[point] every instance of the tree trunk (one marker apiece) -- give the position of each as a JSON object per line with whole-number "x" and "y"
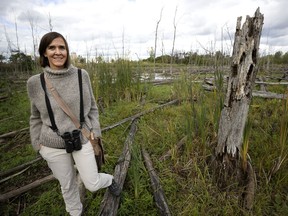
{"x": 227, "y": 167}
{"x": 158, "y": 192}
{"x": 110, "y": 203}
{"x": 241, "y": 80}
{"x": 25, "y": 188}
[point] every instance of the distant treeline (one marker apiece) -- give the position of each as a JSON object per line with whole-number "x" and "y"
{"x": 24, "y": 63}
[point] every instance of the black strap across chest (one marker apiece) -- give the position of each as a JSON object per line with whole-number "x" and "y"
{"x": 48, "y": 104}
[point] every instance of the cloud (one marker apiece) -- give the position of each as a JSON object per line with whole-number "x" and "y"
{"x": 108, "y": 25}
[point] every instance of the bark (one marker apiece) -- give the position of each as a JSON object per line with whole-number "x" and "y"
{"x": 250, "y": 187}
{"x": 262, "y": 94}
{"x": 131, "y": 118}
{"x": 271, "y": 83}
{"x": 268, "y": 95}
{"x": 159, "y": 194}
{"x": 14, "y": 175}
{"x": 28, "y": 187}
{"x": 13, "y": 133}
{"x": 227, "y": 167}
{"x": 241, "y": 80}
{"x": 178, "y": 146}
{"x": 110, "y": 203}
{"x": 20, "y": 167}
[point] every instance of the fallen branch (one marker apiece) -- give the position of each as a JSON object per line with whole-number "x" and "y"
{"x": 25, "y": 188}
{"x": 268, "y": 95}
{"x": 110, "y": 203}
{"x": 13, "y": 133}
{"x": 16, "y": 174}
{"x": 178, "y": 146}
{"x": 20, "y": 167}
{"x": 262, "y": 94}
{"x": 159, "y": 195}
{"x": 131, "y": 118}
{"x": 271, "y": 83}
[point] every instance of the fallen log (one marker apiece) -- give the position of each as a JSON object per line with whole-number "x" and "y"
{"x": 13, "y": 133}
{"x": 16, "y": 174}
{"x": 109, "y": 205}
{"x": 131, "y": 118}
{"x": 268, "y": 95}
{"x": 262, "y": 94}
{"x": 178, "y": 146}
{"x": 271, "y": 83}
{"x": 158, "y": 192}
{"x": 20, "y": 167}
{"x": 25, "y": 188}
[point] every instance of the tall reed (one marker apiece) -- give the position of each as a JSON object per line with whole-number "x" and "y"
{"x": 245, "y": 146}
{"x": 116, "y": 81}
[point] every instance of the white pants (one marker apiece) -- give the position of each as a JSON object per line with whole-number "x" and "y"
{"x": 62, "y": 165}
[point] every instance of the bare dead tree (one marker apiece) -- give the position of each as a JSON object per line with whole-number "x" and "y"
{"x": 123, "y": 43}
{"x": 16, "y": 32}
{"x": 174, "y": 38}
{"x": 244, "y": 68}
{"x": 33, "y": 26}
{"x": 162, "y": 53}
{"x": 156, "y": 37}
{"x": 50, "y": 23}
{"x": 9, "y": 43}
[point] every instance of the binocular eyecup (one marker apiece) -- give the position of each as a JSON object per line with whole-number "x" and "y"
{"x": 72, "y": 141}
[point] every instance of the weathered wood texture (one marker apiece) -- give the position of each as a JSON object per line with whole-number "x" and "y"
{"x": 158, "y": 192}
{"x": 13, "y": 133}
{"x": 241, "y": 80}
{"x": 138, "y": 115}
{"x": 175, "y": 148}
{"x": 20, "y": 167}
{"x": 110, "y": 203}
{"x": 26, "y": 188}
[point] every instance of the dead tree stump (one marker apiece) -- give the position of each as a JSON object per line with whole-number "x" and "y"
{"x": 238, "y": 97}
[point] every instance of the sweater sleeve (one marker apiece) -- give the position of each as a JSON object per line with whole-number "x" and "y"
{"x": 35, "y": 127}
{"x": 35, "y": 119}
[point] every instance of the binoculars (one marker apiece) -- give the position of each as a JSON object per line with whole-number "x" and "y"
{"x": 72, "y": 141}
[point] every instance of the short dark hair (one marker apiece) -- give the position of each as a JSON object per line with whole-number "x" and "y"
{"x": 44, "y": 43}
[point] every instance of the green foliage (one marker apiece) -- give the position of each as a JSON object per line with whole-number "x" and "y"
{"x": 277, "y": 58}
{"x": 49, "y": 203}
{"x": 117, "y": 81}
{"x": 14, "y": 112}
{"x": 18, "y": 62}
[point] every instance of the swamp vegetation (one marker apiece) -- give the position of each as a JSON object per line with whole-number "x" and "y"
{"x": 190, "y": 189}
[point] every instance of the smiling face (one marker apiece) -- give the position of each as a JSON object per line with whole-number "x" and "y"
{"x": 56, "y": 53}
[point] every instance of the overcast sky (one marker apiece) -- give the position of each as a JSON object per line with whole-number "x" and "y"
{"x": 107, "y": 27}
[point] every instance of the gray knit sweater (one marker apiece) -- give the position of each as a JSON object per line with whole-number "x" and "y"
{"x": 66, "y": 83}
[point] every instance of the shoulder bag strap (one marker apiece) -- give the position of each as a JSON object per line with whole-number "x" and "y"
{"x": 48, "y": 105}
{"x": 82, "y": 119}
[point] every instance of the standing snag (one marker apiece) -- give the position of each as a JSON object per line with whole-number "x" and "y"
{"x": 241, "y": 80}
{"x": 228, "y": 171}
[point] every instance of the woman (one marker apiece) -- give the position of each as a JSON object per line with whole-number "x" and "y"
{"x": 55, "y": 60}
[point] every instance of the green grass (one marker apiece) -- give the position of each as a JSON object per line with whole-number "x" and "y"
{"x": 185, "y": 177}
{"x": 14, "y": 112}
